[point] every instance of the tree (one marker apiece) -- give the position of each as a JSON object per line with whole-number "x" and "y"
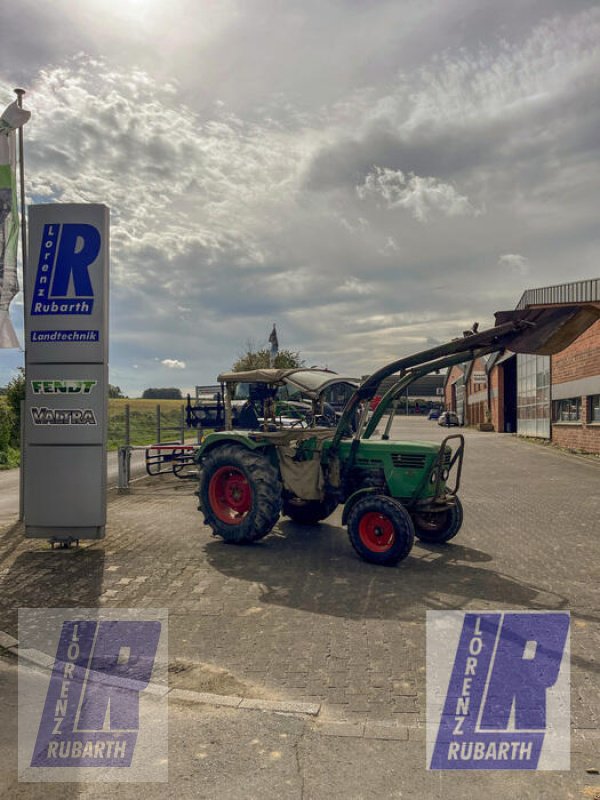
{"x": 170, "y": 393}
{"x": 115, "y": 393}
{"x": 15, "y": 393}
{"x": 6, "y": 426}
{"x": 260, "y": 359}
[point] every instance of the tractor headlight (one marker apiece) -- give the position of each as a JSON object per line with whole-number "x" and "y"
{"x": 445, "y": 474}
{"x": 433, "y": 476}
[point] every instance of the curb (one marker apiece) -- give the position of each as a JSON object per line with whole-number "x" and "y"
{"x": 161, "y": 691}
{"x": 370, "y": 729}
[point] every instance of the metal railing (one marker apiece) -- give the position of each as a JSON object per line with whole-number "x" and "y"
{"x": 174, "y": 455}
{"x": 159, "y": 427}
{"x": 576, "y": 292}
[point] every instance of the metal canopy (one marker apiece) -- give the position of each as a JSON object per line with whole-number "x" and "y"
{"x": 267, "y": 375}
{"x": 311, "y": 382}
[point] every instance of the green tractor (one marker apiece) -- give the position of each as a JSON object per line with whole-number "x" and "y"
{"x": 391, "y": 491}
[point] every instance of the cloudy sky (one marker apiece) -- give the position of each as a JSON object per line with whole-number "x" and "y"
{"x": 371, "y": 176}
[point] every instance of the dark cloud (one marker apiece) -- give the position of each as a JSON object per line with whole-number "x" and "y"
{"x": 441, "y": 153}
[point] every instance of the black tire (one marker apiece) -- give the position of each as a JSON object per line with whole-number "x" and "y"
{"x": 240, "y": 493}
{"x": 380, "y": 530}
{"x": 309, "y": 512}
{"x": 440, "y": 526}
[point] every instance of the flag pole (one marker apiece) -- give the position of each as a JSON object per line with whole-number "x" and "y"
{"x": 20, "y": 93}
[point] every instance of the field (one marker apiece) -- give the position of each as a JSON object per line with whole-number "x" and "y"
{"x": 143, "y": 421}
{"x": 143, "y": 426}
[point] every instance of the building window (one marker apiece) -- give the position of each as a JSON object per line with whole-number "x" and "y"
{"x": 568, "y": 410}
{"x": 594, "y": 408}
{"x": 533, "y": 396}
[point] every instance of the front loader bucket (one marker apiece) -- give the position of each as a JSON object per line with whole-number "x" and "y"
{"x": 550, "y": 328}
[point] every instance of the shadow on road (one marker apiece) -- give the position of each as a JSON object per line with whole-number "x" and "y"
{"x": 51, "y": 579}
{"x": 315, "y": 569}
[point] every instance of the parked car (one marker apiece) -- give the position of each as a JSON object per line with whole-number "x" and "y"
{"x": 434, "y": 413}
{"x": 448, "y": 418}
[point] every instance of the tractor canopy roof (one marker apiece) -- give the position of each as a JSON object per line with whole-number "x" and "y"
{"x": 311, "y": 382}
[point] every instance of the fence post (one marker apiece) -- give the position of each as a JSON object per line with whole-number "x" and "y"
{"x": 158, "y": 424}
{"x": 182, "y": 424}
{"x": 22, "y": 464}
{"x": 124, "y": 469}
{"x": 127, "y": 426}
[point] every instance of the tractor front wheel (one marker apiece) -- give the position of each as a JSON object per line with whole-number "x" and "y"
{"x": 380, "y": 530}
{"x": 240, "y": 493}
{"x": 440, "y": 526}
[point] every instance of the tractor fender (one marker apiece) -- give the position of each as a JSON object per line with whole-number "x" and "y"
{"x": 215, "y": 440}
{"x": 354, "y": 498}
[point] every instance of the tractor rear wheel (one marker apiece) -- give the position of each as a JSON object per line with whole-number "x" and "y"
{"x": 309, "y": 512}
{"x": 240, "y": 493}
{"x": 380, "y": 530}
{"x": 440, "y": 526}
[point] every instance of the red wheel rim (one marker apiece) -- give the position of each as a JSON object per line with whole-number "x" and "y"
{"x": 376, "y": 531}
{"x": 230, "y": 495}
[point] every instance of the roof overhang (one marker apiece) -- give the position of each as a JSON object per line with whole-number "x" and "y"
{"x": 548, "y": 329}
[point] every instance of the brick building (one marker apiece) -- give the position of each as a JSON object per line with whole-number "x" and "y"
{"x": 454, "y": 390}
{"x": 476, "y": 392}
{"x": 549, "y": 397}
{"x": 576, "y": 393}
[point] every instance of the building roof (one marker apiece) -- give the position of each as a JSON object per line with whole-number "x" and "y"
{"x": 587, "y": 291}
{"x": 426, "y": 386}
{"x": 460, "y": 367}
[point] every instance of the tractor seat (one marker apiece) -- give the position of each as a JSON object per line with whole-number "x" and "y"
{"x": 248, "y": 418}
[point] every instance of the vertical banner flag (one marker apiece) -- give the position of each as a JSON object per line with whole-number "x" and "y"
{"x": 12, "y": 118}
{"x": 274, "y": 346}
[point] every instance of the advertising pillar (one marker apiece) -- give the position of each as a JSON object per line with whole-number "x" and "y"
{"x": 66, "y": 368}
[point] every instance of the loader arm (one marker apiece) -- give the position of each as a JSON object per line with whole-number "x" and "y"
{"x": 540, "y": 330}
{"x": 413, "y": 374}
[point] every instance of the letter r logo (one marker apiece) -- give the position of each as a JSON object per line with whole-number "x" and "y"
{"x": 527, "y": 663}
{"x": 115, "y": 683}
{"x": 78, "y": 249}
